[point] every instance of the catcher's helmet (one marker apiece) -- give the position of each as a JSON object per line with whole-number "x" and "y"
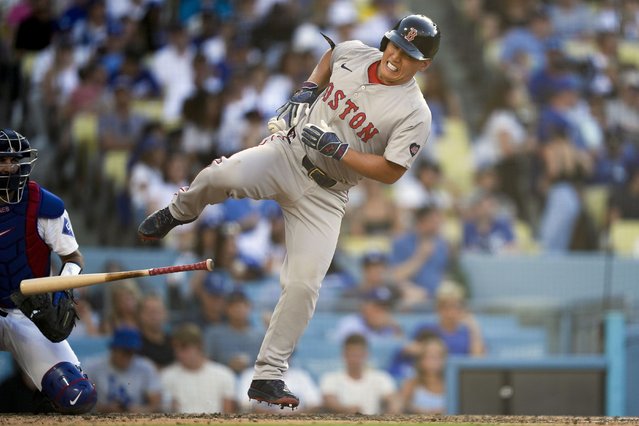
{"x": 417, "y": 35}
{"x": 13, "y": 180}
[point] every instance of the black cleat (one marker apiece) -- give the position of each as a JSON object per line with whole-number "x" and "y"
{"x": 158, "y": 224}
{"x": 273, "y": 392}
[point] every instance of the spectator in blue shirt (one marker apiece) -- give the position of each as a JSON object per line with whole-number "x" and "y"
{"x": 236, "y": 342}
{"x": 143, "y": 84}
{"x": 455, "y": 324}
{"x": 524, "y": 47}
{"x": 375, "y": 318}
{"x": 555, "y": 115}
{"x": 421, "y": 255}
{"x": 485, "y": 231}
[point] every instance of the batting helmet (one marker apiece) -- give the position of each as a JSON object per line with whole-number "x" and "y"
{"x": 13, "y": 179}
{"x": 417, "y": 35}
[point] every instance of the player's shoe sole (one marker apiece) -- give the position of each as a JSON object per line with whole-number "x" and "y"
{"x": 273, "y": 392}
{"x": 158, "y": 224}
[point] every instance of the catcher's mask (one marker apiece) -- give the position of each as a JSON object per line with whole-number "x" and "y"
{"x": 16, "y": 161}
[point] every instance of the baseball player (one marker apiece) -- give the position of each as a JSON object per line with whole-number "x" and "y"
{"x": 34, "y": 222}
{"x": 360, "y": 114}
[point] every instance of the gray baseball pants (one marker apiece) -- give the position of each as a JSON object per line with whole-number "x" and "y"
{"x": 312, "y": 218}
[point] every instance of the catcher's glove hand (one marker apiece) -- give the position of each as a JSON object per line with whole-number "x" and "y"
{"x": 322, "y": 139}
{"x": 53, "y": 313}
{"x": 289, "y": 114}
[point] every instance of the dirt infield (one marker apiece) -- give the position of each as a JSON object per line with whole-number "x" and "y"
{"x": 307, "y": 419}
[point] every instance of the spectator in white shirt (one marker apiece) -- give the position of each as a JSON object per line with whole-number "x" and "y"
{"x": 173, "y": 67}
{"x": 359, "y": 389}
{"x": 195, "y": 384}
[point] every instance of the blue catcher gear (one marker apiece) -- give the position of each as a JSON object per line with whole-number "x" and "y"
{"x": 69, "y": 389}
{"x": 14, "y": 172}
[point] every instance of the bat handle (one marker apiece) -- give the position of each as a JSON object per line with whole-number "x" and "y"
{"x": 205, "y": 265}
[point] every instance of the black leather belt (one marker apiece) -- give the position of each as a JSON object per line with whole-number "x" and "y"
{"x": 317, "y": 174}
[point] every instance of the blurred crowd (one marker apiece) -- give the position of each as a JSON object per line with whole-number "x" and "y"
{"x": 534, "y": 148}
{"x": 205, "y": 365}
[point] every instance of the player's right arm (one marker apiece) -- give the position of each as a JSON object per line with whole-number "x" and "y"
{"x": 373, "y": 166}
{"x": 322, "y": 72}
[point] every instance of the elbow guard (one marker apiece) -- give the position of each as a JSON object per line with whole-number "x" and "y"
{"x": 328, "y": 40}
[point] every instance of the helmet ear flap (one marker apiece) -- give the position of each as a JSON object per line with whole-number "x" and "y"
{"x": 383, "y": 44}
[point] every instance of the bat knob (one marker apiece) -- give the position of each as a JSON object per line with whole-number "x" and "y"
{"x": 209, "y": 264}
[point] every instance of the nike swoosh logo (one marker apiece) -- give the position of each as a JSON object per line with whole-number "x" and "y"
{"x": 6, "y": 231}
{"x": 346, "y": 68}
{"x": 73, "y": 401}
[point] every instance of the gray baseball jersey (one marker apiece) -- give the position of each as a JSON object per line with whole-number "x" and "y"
{"x": 393, "y": 121}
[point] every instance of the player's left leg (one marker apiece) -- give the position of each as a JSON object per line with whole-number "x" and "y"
{"x": 312, "y": 228}
{"x": 259, "y": 172}
{"x": 52, "y": 367}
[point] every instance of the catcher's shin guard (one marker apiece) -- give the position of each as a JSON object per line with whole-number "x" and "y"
{"x": 69, "y": 389}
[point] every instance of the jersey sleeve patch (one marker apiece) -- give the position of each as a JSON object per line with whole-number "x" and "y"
{"x": 66, "y": 228}
{"x": 51, "y": 205}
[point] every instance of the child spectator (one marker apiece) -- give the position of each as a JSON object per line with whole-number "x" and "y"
{"x": 424, "y": 393}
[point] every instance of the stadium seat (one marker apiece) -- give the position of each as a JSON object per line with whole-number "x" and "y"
{"x": 596, "y": 203}
{"x": 453, "y": 151}
{"x": 114, "y": 167}
{"x": 624, "y": 237}
{"x": 453, "y": 230}
{"x": 355, "y": 245}
{"x": 151, "y": 109}
{"x": 628, "y": 52}
{"x": 525, "y": 342}
{"x": 524, "y": 237}
{"x": 84, "y": 132}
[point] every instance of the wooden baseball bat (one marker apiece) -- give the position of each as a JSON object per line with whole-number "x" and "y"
{"x": 58, "y": 283}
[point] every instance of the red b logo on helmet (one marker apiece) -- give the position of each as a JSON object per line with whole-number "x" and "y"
{"x": 411, "y": 34}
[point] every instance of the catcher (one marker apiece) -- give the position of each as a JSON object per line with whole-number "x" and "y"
{"x": 34, "y": 222}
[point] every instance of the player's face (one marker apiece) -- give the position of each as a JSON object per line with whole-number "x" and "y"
{"x": 9, "y": 165}
{"x": 397, "y": 67}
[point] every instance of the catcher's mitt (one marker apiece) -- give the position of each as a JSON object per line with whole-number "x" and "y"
{"x": 53, "y": 313}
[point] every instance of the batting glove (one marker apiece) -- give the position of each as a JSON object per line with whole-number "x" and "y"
{"x": 323, "y": 140}
{"x": 289, "y": 114}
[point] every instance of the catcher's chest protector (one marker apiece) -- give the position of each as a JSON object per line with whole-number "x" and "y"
{"x": 23, "y": 254}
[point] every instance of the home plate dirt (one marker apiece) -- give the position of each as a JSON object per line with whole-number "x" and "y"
{"x": 305, "y": 419}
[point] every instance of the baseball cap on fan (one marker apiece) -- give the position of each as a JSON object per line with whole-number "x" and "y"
{"x": 383, "y": 296}
{"x": 218, "y": 283}
{"x": 374, "y": 257}
{"x": 126, "y": 338}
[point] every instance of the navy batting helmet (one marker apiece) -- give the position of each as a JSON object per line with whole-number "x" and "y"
{"x": 14, "y": 175}
{"x": 417, "y": 35}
